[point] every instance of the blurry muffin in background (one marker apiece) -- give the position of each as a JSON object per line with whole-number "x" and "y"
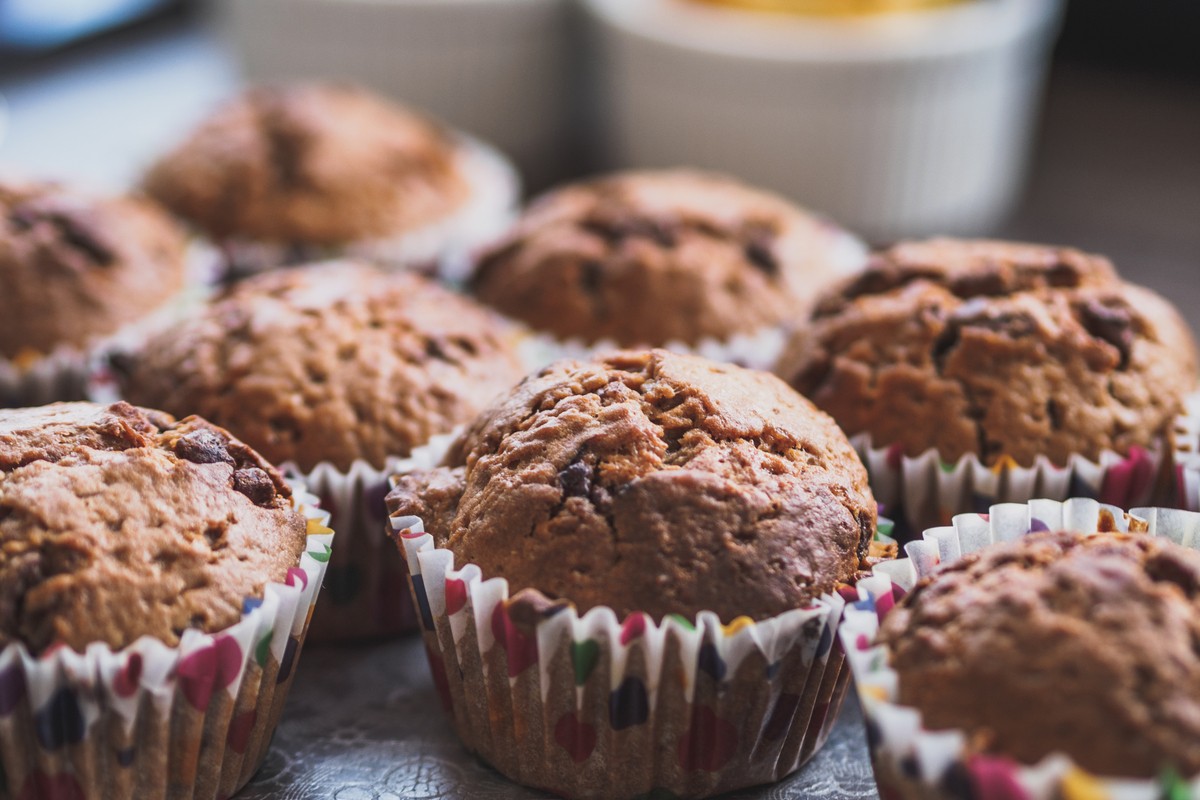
{"x": 668, "y": 258}
{"x": 977, "y": 372}
{"x": 338, "y": 369}
{"x": 76, "y": 268}
{"x": 287, "y": 174}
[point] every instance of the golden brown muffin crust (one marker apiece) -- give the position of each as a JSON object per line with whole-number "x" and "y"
{"x": 995, "y": 349}
{"x": 135, "y": 525}
{"x": 647, "y": 258}
{"x": 333, "y": 362}
{"x": 75, "y": 266}
{"x": 652, "y": 482}
{"x": 1060, "y": 642}
{"x": 311, "y": 163}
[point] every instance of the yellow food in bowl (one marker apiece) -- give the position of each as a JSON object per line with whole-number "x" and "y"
{"x": 832, "y": 7}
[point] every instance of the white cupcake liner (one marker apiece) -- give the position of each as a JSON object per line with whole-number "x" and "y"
{"x": 153, "y": 722}
{"x": 366, "y": 589}
{"x": 686, "y": 706}
{"x": 758, "y": 349}
{"x": 924, "y": 491}
{"x": 1186, "y": 453}
{"x": 502, "y": 69}
{"x": 915, "y": 763}
{"x": 441, "y": 247}
{"x": 899, "y": 125}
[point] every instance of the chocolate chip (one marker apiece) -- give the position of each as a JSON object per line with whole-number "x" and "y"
{"x": 1167, "y": 568}
{"x": 866, "y": 533}
{"x": 1063, "y": 275}
{"x": 759, "y": 252}
{"x": 79, "y": 235}
{"x": 985, "y": 284}
{"x": 576, "y": 480}
{"x": 1112, "y": 324}
{"x": 203, "y": 447}
{"x": 255, "y": 484}
{"x": 614, "y": 229}
{"x": 591, "y": 276}
{"x": 1055, "y": 414}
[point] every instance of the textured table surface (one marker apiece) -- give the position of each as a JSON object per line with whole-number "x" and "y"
{"x": 364, "y": 724}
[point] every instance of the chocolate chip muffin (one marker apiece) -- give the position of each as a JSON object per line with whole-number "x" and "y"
{"x": 1060, "y": 642}
{"x": 120, "y": 522}
{"x": 652, "y": 482}
{"x": 76, "y": 266}
{"x": 994, "y": 349}
{"x": 650, "y": 258}
{"x": 334, "y": 362}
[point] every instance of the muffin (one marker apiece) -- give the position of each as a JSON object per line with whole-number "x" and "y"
{"x": 287, "y": 174}
{"x": 1061, "y": 658}
{"x": 656, "y": 258}
{"x": 1117, "y": 613}
{"x": 164, "y": 550}
{"x": 998, "y": 355}
{"x": 632, "y": 505}
{"x": 338, "y": 369}
{"x": 76, "y": 268}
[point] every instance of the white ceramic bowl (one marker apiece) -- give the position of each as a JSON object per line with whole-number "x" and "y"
{"x": 498, "y": 69}
{"x": 896, "y": 125}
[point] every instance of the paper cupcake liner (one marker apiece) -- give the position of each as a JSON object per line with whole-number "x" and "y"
{"x": 924, "y": 491}
{"x": 1186, "y": 455}
{"x": 366, "y": 588}
{"x": 758, "y": 349}
{"x": 439, "y": 248}
{"x": 685, "y": 707}
{"x": 151, "y": 721}
{"x": 914, "y": 763}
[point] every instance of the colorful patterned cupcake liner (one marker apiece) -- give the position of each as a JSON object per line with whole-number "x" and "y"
{"x": 759, "y": 349}
{"x": 1186, "y": 442}
{"x": 441, "y": 247}
{"x": 597, "y": 707}
{"x": 366, "y": 587}
{"x": 914, "y": 763}
{"x": 923, "y": 491}
{"x": 154, "y": 722}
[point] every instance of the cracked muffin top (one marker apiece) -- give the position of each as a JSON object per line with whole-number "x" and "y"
{"x": 994, "y": 349}
{"x": 118, "y": 522}
{"x": 319, "y": 164}
{"x": 652, "y": 482}
{"x": 77, "y": 266}
{"x": 648, "y": 258}
{"x": 331, "y": 362}
{"x": 1060, "y": 642}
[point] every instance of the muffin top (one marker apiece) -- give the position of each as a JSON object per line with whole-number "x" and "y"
{"x": 76, "y": 266}
{"x": 652, "y": 482}
{"x": 313, "y": 163}
{"x": 331, "y": 362}
{"x": 120, "y": 523}
{"x": 647, "y": 258}
{"x": 995, "y": 349}
{"x": 1060, "y": 642}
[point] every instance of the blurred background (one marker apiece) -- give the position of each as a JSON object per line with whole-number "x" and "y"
{"x": 1068, "y": 122}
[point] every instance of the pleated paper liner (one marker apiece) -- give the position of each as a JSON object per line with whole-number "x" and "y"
{"x": 1186, "y": 455}
{"x": 913, "y": 763}
{"x": 924, "y": 491}
{"x": 153, "y": 722}
{"x": 756, "y": 349}
{"x": 597, "y": 707}
{"x": 366, "y": 587}
{"x": 438, "y": 248}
